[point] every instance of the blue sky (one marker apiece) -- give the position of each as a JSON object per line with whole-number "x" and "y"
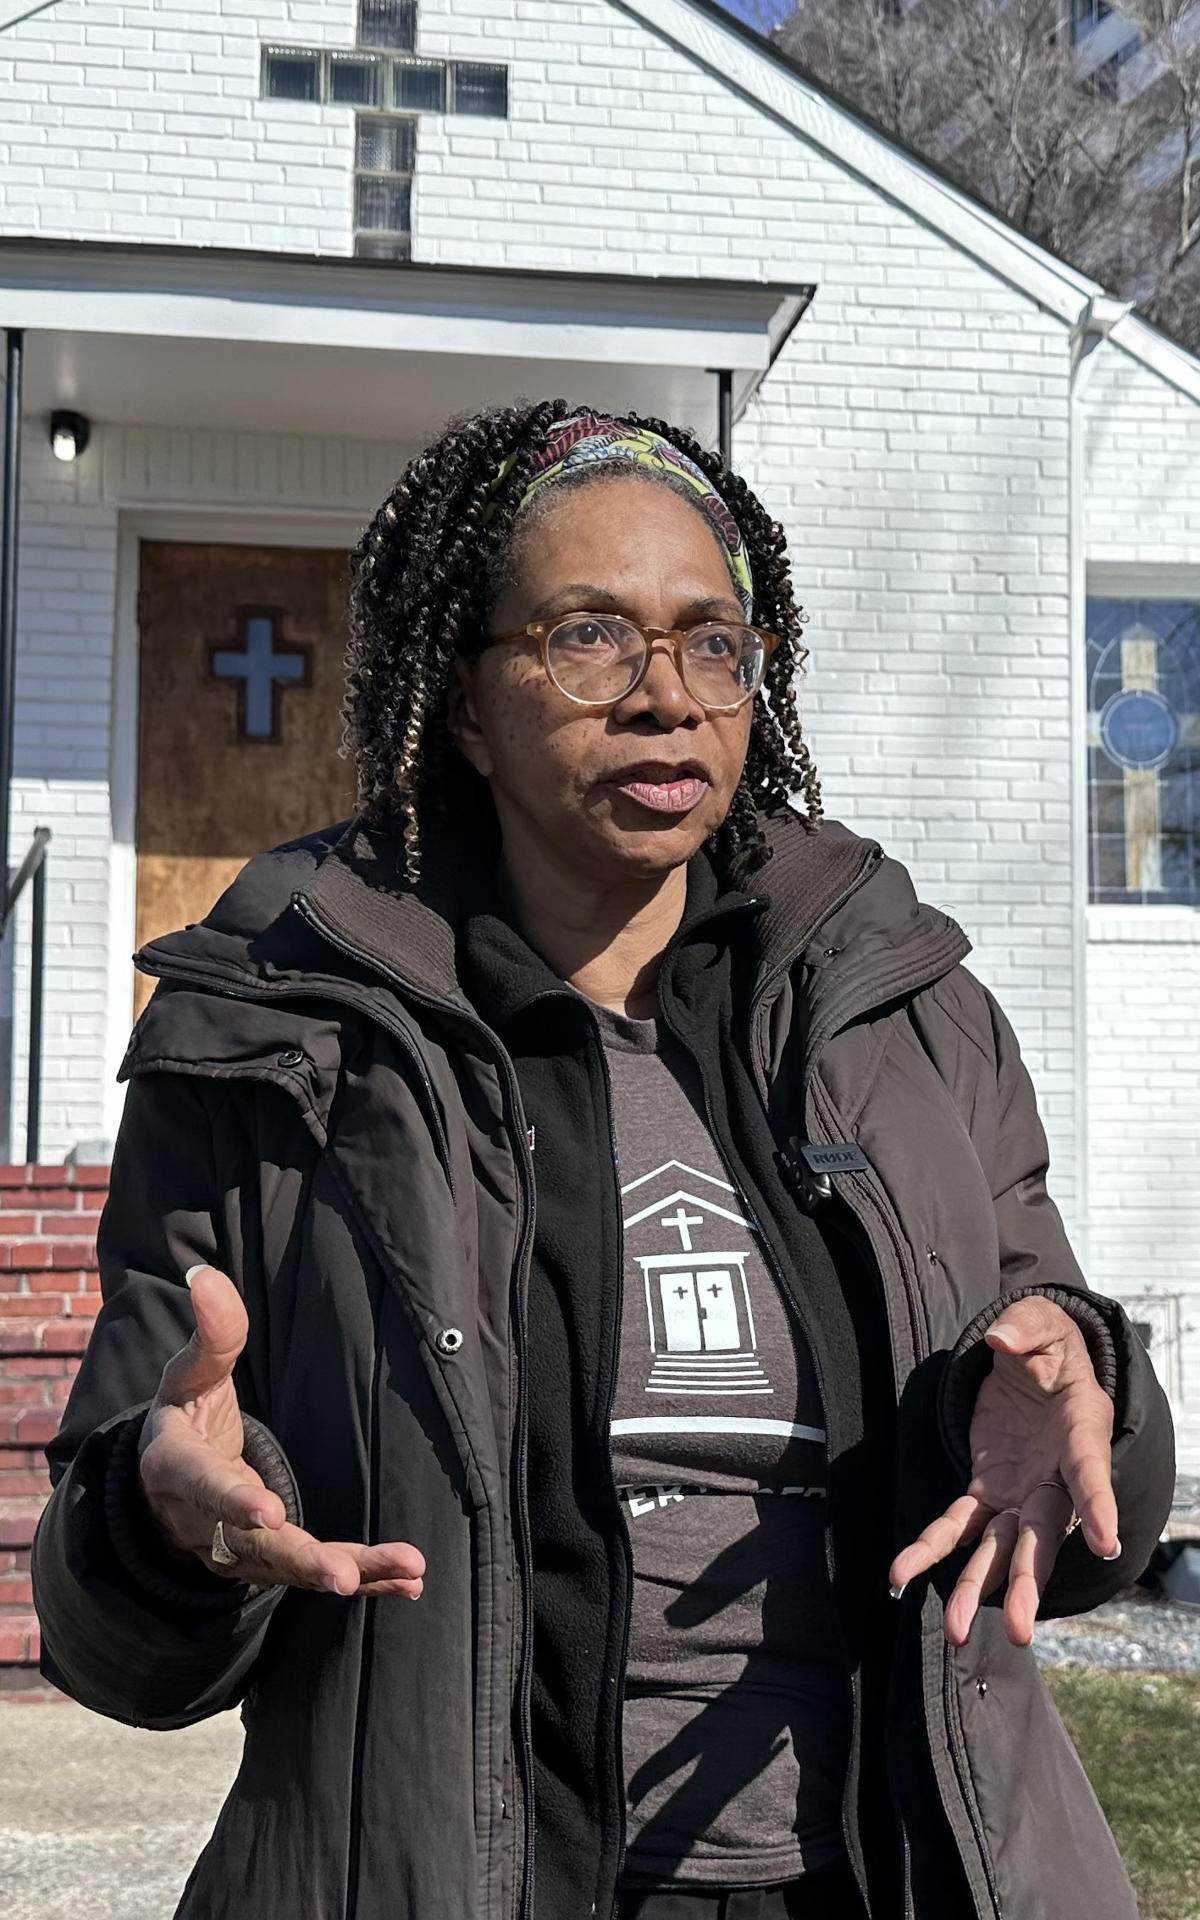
{"x": 755, "y": 10}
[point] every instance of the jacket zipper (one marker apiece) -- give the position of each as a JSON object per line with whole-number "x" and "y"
{"x": 833, "y": 1023}
{"x": 610, "y": 1396}
{"x": 610, "y": 1393}
{"x": 966, "y": 1786}
{"x": 835, "y": 1019}
{"x": 520, "y": 1274}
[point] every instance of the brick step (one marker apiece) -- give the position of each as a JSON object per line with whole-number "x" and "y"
{"x": 34, "y": 1177}
{"x": 49, "y": 1297}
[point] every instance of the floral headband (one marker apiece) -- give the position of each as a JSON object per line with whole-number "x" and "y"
{"x": 587, "y": 439}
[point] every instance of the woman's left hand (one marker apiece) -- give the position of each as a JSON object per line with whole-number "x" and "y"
{"x": 1041, "y": 1452}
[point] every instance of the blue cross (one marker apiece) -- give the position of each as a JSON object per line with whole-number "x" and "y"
{"x": 262, "y": 669}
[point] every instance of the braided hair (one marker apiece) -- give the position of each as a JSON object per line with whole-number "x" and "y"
{"x": 425, "y": 575}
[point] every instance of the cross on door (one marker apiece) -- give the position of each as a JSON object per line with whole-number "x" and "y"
{"x": 260, "y": 671}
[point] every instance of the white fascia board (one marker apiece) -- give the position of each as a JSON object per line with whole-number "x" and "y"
{"x": 1164, "y": 357}
{"x": 339, "y": 305}
{"x": 870, "y": 155}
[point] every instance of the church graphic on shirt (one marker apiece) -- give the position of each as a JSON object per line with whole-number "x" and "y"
{"x": 700, "y": 1318}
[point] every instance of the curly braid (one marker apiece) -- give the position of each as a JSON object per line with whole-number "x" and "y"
{"x": 425, "y": 575}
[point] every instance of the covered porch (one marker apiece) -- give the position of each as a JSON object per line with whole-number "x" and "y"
{"x": 277, "y": 376}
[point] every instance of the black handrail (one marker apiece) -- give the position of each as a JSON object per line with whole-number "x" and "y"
{"x": 32, "y": 868}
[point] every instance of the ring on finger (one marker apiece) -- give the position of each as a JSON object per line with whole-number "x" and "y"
{"x": 220, "y": 1550}
{"x": 1061, "y": 1486}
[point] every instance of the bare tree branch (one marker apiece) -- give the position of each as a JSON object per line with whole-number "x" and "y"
{"x": 1094, "y": 150}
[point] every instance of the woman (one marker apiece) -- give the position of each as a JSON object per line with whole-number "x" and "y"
{"x": 615, "y": 1221}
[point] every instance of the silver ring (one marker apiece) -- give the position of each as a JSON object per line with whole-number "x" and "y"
{"x": 1061, "y": 1487}
{"x": 219, "y": 1551}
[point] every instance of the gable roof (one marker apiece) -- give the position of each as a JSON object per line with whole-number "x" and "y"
{"x": 771, "y": 80}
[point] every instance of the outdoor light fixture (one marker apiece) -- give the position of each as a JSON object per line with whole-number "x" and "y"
{"x": 69, "y": 434}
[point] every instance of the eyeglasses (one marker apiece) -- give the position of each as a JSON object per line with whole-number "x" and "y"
{"x": 596, "y": 659}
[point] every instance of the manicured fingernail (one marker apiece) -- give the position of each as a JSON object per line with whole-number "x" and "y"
{"x": 258, "y": 1519}
{"x": 191, "y": 1273}
{"x": 330, "y": 1583}
{"x": 897, "y": 1593}
{"x": 1116, "y": 1552}
{"x": 1004, "y": 1335}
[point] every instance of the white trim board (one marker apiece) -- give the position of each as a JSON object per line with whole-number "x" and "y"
{"x": 285, "y": 527}
{"x": 192, "y": 294}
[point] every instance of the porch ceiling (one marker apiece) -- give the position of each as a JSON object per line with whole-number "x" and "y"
{"x": 153, "y": 337}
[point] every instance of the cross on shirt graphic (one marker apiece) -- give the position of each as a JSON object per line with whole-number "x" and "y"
{"x": 684, "y": 1222}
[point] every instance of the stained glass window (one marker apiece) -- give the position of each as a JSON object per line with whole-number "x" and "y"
{"x": 1143, "y": 678}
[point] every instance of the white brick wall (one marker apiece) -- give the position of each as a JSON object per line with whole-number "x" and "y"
{"x": 1144, "y": 1138}
{"x": 143, "y": 121}
{"x": 913, "y": 438}
{"x": 1143, "y": 1109}
{"x": 1142, "y": 466}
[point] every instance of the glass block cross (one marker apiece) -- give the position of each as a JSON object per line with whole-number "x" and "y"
{"x": 388, "y": 83}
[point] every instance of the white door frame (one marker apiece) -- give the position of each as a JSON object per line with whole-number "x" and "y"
{"x": 230, "y": 527}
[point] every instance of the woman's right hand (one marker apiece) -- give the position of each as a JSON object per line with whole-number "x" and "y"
{"x": 193, "y": 1473}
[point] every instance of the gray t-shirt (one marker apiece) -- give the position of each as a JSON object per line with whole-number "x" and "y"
{"x": 735, "y": 1721}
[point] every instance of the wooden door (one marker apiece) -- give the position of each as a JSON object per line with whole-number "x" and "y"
{"x": 239, "y": 719}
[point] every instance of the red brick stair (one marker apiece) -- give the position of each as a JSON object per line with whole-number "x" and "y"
{"x": 49, "y": 1296}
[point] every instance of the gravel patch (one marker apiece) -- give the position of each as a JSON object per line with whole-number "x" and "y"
{"x": 1136, "y": 1633}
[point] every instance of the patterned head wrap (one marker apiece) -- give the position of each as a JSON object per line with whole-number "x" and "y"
{"x": 587, "y": 439}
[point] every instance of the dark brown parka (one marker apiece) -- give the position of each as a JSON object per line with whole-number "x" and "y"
{"x": 316, "y": 1107}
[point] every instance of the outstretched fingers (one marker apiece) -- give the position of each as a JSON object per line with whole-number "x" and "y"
{"x": 288, "y": 1556}
{"x": 957, "y": 1527}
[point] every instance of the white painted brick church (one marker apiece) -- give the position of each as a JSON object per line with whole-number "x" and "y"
{"x": 251, "y": 251}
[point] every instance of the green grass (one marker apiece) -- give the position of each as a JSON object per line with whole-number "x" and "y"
{"x": 1138, "y": 1735}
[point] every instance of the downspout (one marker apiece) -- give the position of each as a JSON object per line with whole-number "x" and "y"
{"x": 1092, "y": 327}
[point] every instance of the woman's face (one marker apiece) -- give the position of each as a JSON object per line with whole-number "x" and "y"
{"x": 632, "y": 792}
